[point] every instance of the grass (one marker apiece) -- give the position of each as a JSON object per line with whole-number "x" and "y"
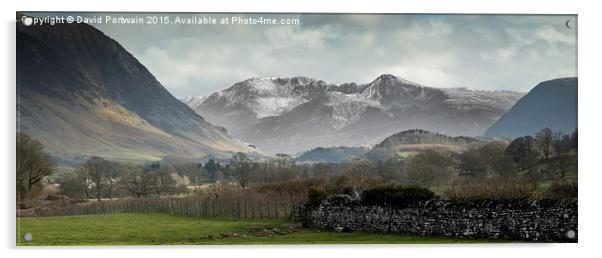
{"x": 156, "y": 229}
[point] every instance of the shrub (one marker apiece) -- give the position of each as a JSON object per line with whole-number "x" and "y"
{"x": 562, "y": 190}
{"x": 496, "y": 188}
{"x": 342, "y": 200}
{"x": 315, "y": 197}
{"x": 284, "y": 192}
{"x": 395, "y": 195}
{"x": 348, "y": 184}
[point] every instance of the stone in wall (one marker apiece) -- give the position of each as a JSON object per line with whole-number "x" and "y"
{"x": 529, "y": 220}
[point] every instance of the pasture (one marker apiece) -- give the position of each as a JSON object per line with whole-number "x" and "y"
{"x": 166, "y": 229}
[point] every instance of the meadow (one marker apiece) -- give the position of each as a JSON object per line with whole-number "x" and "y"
{"x": 165, "y": 229}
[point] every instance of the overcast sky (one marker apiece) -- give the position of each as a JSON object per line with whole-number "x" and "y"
{"x": 485, "y": 52}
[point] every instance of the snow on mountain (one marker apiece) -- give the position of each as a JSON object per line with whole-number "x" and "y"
{"x": 194, "y": 101}
{"x": 387, "y": 85}
{"x": 347, "y": 108}
{"x": 464, "y": 96}
{"x": 300, "y": 113}
{"x": 265, "y": 96}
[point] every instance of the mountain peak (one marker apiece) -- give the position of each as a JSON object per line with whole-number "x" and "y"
{"x": 391, "y": 79}
{"x": 391, "y": 85}
{"x": 387, "y": 76}
{"x": 275, "y": 83}
{"x": 293, "y": 116}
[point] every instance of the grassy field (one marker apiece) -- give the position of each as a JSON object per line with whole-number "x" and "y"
{"x": 155, "y": 229}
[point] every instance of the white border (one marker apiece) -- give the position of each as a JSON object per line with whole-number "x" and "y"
{"x": 589, "y": 126}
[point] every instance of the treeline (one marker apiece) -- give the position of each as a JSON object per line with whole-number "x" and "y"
{"x": 100, "y": 178}
{"x": 542, "y": 165}
{"x": 516, "y": 167}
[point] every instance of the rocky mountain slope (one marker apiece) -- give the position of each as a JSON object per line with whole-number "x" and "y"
{"x": 81, "y": 93}
{"x": 550, "y": 104}
{"x": 296, "y": 114}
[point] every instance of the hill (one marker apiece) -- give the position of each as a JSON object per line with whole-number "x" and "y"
{"x": 406, "y": 142}
{"x": 550, "y": 104}
{"x": 332, "y": 154}
{"x": 81, "y": 94}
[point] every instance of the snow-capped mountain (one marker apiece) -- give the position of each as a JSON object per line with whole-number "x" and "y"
{"x": 194, "y": 101}
{"x": 294, "y": 114}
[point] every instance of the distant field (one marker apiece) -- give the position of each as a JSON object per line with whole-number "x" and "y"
{"x": 156, "y": 229}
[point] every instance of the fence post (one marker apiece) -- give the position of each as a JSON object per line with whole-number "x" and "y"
{"x": 260, "y": 210}
{"x": 269, "y": 213}
{"x": 186, "y": 208}
{"x": 198, "y": 208}
{"x": 286, "y": 211}
{"x": 172, "y": 207}
{"x": 246, "y": 215}
{"x": 220, "y": 205}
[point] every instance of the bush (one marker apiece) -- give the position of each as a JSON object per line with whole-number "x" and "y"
{"x": 395, "y": 196}
{"x": 342, "y": 200}
{"x": 562, "y": 190}
{"x": 495, "y": 188}
{"x": 315, "y": 197}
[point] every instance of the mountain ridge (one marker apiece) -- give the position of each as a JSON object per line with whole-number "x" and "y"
{"x": 275, "y": 113}
{"x": 98, "y": 99}
{"x": 551, "y": 103}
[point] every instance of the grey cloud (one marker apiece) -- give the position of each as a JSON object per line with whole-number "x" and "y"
{"x": 495, "y": 52}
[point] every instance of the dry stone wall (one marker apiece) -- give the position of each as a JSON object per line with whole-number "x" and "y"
{"x": 529, "y": 220}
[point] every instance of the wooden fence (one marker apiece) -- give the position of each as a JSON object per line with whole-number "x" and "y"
{"x": 193, "y": 208}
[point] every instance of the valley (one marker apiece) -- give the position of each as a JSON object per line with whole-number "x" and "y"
{"x": 279, "y": 159}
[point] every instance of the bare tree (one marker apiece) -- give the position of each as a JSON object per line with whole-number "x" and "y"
{"x": 112, "y": 172}
{"x": 33, "y": 165}
{"x": 161, "y": 178}
{"x": 240, "y": 168}
{"x": 132, "y": 178}
{"x": 264, "y": 171}
{"x": 137, "y": 181}
{"x": 557, "y": 143}
{"x": 84, "y": 180}
{"x": 361, "y": 168}
{"x": 75, "y": 184}
{"x": 544, "y": 140}
{"x": 285, "y": 160}
{"x": 97, "y": 169}
{"x": 324, "y": 170}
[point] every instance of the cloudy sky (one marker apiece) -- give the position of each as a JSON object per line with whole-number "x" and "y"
{"x": 508, "y": 52}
